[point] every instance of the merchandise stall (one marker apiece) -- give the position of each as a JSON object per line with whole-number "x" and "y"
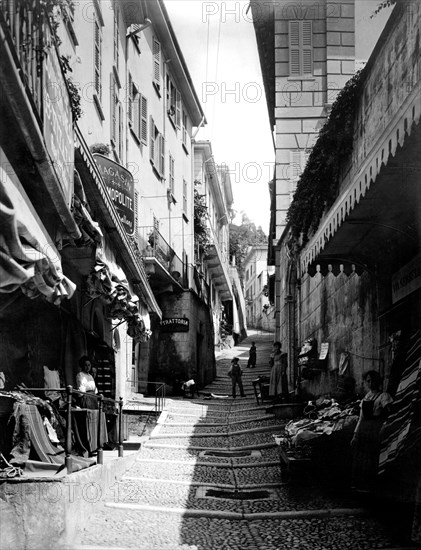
{"x": 319, "y": 439}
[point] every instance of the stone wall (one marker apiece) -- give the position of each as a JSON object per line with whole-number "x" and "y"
{"x": 183, "y": 355}
{"x": 339, "y": 306}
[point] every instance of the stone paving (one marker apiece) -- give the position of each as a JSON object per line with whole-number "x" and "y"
{"x": 209, "y": 478}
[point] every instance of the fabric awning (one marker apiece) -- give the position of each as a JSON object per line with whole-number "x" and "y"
{"x": 28, "y": 258}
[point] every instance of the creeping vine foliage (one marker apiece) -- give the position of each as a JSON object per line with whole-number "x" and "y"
{"x": 318, "y": 185}
{"x": 201, "y": 232}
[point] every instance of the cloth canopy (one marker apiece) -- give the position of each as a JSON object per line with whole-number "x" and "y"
{"x": 28, "y": 258}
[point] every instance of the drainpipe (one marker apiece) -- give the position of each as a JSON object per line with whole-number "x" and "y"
{"x": 34, "y": 140}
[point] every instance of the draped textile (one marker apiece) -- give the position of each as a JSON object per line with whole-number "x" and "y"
{"x": 27, "y": 259}
{"x": 402, "y": 428}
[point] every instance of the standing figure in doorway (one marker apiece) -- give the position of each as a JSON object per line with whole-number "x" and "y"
{"x": 366, "y": 440}
{"x": 252, "y": 356}
{"x": 278, "y": 382}
{"x": 235, "y": 372}
{"x": 86, "y": 384}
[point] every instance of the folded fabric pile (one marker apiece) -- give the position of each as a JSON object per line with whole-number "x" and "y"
{"x": 321, "y": 417}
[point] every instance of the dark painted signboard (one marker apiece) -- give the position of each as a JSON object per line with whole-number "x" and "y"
{"x": 58, "y": 124}
{"x": 120, "y": 185}
{"x": 175, "y": 324}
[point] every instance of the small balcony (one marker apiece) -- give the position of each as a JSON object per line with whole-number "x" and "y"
{"x": 217, "y": 265}
{"x": 165, "y": 270}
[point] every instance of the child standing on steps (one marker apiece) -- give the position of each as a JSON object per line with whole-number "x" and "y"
{"x": 235, "y": 372}
{"x": 252, "y": 356}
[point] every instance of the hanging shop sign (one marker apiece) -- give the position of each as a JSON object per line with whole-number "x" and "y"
{"x": 407, "y": 280}
{"x": 175, "y": 324}
{"x": 58, "y": 124}
{"x": 120, "y": 185}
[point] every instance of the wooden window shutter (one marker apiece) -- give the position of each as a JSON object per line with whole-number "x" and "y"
{"x": 136, "y": 115}
{"x": 178, "y": 109}
{"x": 113, "y": 128}
{"x": 120, "y": 130}
{"x": 162, "y": 156}
{"x": 295, "y": 168}
{"x": 116, "y": 35}
{"x": 294, "y": 48}
{"x": 156, "y": 62}
{"x": 144, "y": 119}
{"x": 97, "y": 60}
{"x": 152, "y": 140}
{"x": 300, "y": 48}
{"x": 171, "y": 172}
{"x": 307, "y": 47}
{"x": 130, "y": 100}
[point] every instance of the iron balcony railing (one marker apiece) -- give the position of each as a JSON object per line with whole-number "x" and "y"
{"x": 153, "y": 245}
{"x": 70, "y": 392}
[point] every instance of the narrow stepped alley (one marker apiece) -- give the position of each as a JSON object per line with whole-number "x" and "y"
{"x": 209, "y": 478}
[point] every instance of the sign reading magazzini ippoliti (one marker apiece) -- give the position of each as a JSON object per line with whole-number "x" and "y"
{"x": 175, "y": 324}
{"x": 120, "y": 185}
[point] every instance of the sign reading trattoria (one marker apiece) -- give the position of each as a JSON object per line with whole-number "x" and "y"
{"x": 120, "y": 185}
{"x": 175, "y": 324}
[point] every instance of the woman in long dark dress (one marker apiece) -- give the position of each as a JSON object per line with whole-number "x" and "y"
{"x": 366, "y": 439}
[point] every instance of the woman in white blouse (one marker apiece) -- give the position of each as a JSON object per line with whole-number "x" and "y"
{"x": 86, "y": 384}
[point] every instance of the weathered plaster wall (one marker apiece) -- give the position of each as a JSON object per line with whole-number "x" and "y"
{"x": 45, "y": 514}
{"x": 340, "y": 308}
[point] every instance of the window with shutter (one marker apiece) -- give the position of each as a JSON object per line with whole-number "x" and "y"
{"x": 152, "y": 140}
{"x": 120, "y": 131}
{"x": 144, "y": 119}
{"x": 185, "y": 196}
{"x": 300, "y": 48}
{"x": 113, "y": 114}
{"x": 171, "y": 170}
{"x": 98, "y": 58}
{"x": 184, "y": 131}
{"x": 136, "y": 115}
{"x": 116, "y": 35}
{"x": 157, "y": 63}
{"x": 162, "y": 156}
{"x": 130, "y": 100}
{"x": 177, "y": 109}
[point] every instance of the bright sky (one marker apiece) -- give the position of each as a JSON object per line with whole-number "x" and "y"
{"x": 226, "y": 74}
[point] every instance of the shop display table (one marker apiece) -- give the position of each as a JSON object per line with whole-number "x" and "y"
{"x": 292, "y": 463}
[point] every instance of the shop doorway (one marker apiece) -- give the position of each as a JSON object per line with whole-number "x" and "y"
{"x": 103, "y": 359}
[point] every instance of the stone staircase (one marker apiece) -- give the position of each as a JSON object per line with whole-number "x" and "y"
{"x": 209, "y": 478}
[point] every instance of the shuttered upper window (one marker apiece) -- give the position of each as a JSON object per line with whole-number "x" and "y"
{"x": 157, "y": 149}
{"x": 171, "y": 172}
{"x": 157, "y": 63}
{"x": 300, "y": 48}
{"x": 98, "y": 58}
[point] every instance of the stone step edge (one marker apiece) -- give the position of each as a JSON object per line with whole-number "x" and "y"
{"x": 256, "y": 464}
{"x": 226, "y": 410}
{"x": 217, "y": 424}
{"x": 156, "y": 433}
{"x": 151, "y": 445}
{"x": 290, "y": 514}
{"x": 200, "y": 483}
